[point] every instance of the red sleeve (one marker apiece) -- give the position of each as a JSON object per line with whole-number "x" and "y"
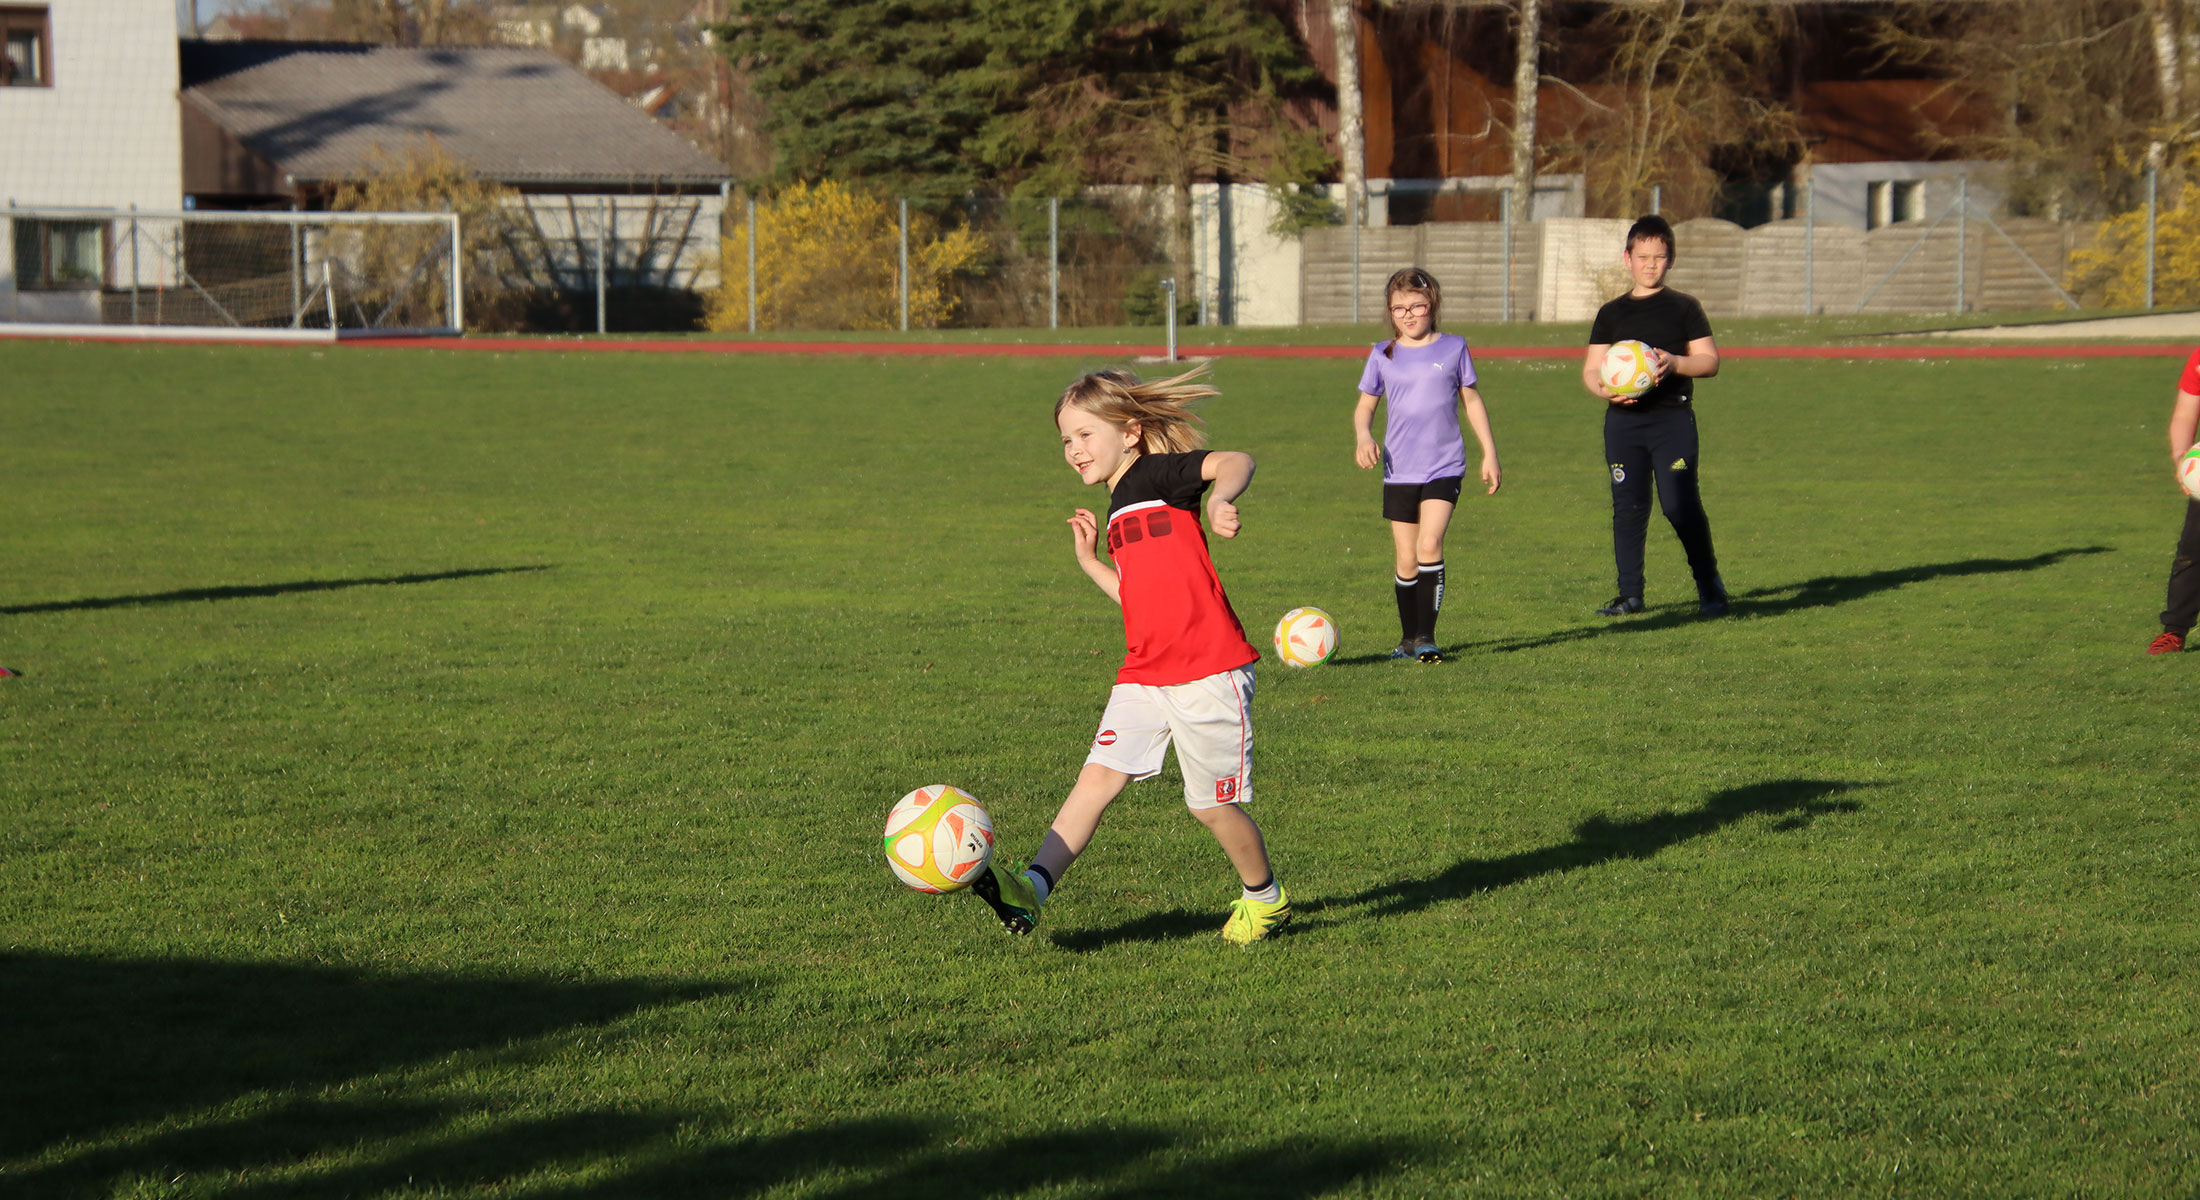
{"x": 2189, "y": 382}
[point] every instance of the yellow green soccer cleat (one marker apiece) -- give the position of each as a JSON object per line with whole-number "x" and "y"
{"x": 1251, "y": 920}
{"x": 1015, "y": 901}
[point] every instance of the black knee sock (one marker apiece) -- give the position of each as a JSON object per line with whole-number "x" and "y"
{"x": 1429, "y": 599}
{"x": 1408, "y": 607}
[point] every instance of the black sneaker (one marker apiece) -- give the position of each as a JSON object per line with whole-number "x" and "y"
{"x": 1622, "y": 606}
{"x": 1711, "y": 598}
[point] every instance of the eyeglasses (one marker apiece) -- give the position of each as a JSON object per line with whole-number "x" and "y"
{"x": 1409, "y": 310}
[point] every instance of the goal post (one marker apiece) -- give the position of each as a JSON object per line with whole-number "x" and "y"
{"x": 286, "y": 276}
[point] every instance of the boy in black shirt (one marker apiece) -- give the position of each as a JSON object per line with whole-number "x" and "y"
{"x": 1653, "y": 436}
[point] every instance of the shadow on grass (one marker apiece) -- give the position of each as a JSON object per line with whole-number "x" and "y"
{"x": 1600, "y": 840}
{"x": 96, "y": 1045}
{"x": 890, "y": 1160}
{"x": 1822, "y": 591}
{"x": 110, "y": 1069}
{"x": 1596, "y": 840}
{"x": 252, "y": 590}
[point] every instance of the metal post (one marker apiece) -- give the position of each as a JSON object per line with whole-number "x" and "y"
{"x": 458, "y": 281}
{"x": 1505, "y": 224}
{"x": 752, "y": 264}
{"x": 1657, "y": 199}
{"x": 1199, "y": 260}
{"x": 328, "y": 289}
{"x": 1358, "y": 206}
{"x": 599, "y": 272}
{"x": 1963, "y": 233}
{"x": 1054, "y": 262}
{"x": 2153, "y": 178}
{"x": 904, "y": 275}
{"x": 1168, "y": 302}
{"x": 134, "y": 278}
{"x": 1810, "y": 246}
{"x": 297, "y": 273}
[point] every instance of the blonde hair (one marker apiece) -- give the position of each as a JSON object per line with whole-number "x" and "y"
{"x": 1161, "y": 409}
{"x": 1412, "y": 279}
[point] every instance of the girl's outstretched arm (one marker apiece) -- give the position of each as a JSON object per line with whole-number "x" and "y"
{"x": 1084, "y": 533}
{"x": 1232, "y": 472}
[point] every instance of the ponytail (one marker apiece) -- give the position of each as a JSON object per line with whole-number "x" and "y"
{"x": 1161, "y": 409}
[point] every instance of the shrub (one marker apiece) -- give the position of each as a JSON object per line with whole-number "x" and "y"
{"x": 827, "y": 257}
{"x": 425, "y": 177}
{"x": 2111, "y": 271}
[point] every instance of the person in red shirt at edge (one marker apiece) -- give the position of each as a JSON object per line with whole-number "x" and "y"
{"x": 1187, "y": 677}
{"x": 2184, "y": 570}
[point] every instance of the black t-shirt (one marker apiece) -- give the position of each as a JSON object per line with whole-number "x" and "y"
{"x": 1664, "y": 320}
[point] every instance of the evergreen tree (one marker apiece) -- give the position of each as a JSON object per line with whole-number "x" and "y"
{"x": 884, "y": 92}
{"x": 1160, "y": 92}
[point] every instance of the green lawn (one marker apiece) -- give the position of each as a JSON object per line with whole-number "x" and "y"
{"x": 450, "y": 774}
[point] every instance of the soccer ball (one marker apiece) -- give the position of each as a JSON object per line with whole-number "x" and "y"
{"x": 938, "y": 838}
{"x": 2188, "y": 472}
{"x": 1306, "y": 637}
{"x": 1627, "y": 370}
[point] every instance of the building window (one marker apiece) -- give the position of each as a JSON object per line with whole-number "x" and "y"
{"x": 1891, "y": 200}
{"x": 52, "y": 256}
{"x": 28, "y": 61}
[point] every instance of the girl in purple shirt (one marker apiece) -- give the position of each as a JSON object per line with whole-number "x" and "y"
{"x": 1426, "y": 379}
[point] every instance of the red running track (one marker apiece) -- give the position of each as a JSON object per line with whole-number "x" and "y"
{"x": 1040, "y": 350}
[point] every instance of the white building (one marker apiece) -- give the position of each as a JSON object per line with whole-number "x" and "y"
{"x": 89, "y": 118}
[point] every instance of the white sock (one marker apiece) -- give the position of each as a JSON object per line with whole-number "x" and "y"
{"x": 1268, "y": 894}
{"x": 1039, "y": 884}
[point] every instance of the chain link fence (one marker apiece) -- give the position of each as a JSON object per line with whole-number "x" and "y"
{"x": 1103, "y": 259}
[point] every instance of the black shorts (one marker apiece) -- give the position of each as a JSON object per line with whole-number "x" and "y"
{"x": 1402, "y": 501}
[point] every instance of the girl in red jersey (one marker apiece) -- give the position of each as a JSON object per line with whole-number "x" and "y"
{"x": 1188, "y": 675}
{"x": 2184, "y": 569}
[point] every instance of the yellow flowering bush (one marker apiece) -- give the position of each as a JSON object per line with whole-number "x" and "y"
{"x": 2111, "y": 271}
{"x": 828, "y": 257}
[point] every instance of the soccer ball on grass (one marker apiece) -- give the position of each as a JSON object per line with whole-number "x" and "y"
{"x": 938, "y": 838}
{"x": 1306, "y": 637}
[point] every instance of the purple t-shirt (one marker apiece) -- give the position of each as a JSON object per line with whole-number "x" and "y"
{"x": 1420, "y": 389}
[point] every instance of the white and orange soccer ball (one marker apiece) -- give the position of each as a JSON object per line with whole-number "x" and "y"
{"x": 1627, "y": 370}
{"x": 938, "y": 838}
{"x": 1306, "y": 637}
{"x": 2188, "y": 472}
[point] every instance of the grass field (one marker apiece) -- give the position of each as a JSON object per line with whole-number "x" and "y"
{"x": 459, "y": 774}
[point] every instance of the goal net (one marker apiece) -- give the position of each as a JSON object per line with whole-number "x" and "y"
{"x": 305, "y": 276}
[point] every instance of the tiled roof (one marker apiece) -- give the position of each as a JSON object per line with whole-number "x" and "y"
{"x": 518, "y": 115}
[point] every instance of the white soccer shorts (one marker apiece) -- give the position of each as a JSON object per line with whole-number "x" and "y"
{"x": 1211, "y": 722}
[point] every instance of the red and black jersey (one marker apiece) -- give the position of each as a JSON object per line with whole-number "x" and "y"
{"x": 1177, "y": 623}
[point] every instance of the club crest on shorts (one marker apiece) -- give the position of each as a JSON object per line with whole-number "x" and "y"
{"x": 1619, "y": 473}
{"x": 1225, "y": 790}
{"x": 1106, "y": 738}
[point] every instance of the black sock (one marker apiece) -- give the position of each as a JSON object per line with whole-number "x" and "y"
{"x": 1408, "y": 589}
{"x": 1429, "y": 598}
